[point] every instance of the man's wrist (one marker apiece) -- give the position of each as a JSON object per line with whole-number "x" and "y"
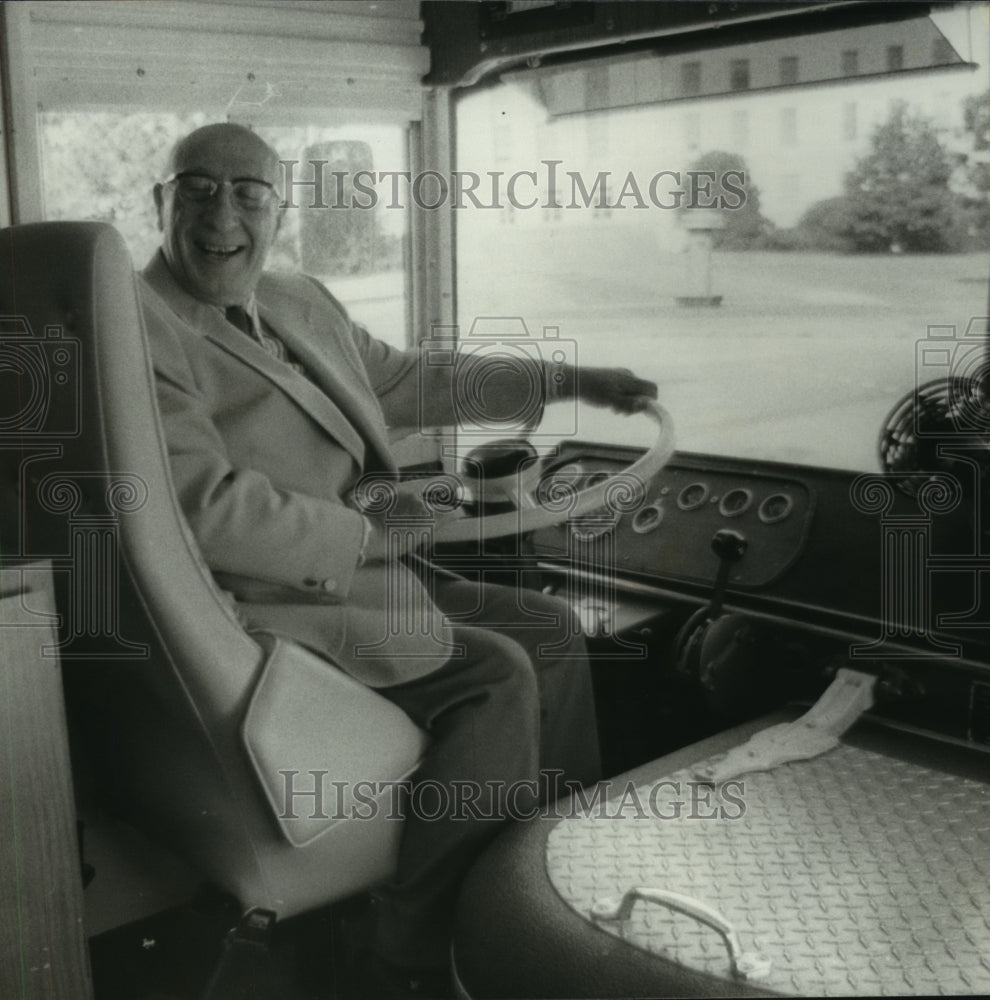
{"x": 560, "y": 381}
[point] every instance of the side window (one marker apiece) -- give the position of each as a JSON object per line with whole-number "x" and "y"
{"x": 355, "y": 238}
{"x": 102, "y": 166}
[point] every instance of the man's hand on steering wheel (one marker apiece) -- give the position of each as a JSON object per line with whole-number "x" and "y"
{"x": 617, "y": 388}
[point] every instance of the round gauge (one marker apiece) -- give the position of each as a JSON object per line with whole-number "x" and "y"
{"x": 692, "y": 496}
{"x": 647, "y": 518}
{"x": 735, "y": 502}
{"x": 775, "y": 508}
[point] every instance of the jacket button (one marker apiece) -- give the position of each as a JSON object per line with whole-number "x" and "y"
{"x": 329, "y": 584}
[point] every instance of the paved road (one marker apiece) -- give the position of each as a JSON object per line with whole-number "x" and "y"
{"x": 802, "y": 362}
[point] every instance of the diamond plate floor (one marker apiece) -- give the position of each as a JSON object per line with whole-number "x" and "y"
{"x": 855, "y": 872}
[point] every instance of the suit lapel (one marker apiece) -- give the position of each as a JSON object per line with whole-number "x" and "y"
{"x": 313, "y": 399}
{"x": 298, "y": 388}
{"x": 328, "y": 362}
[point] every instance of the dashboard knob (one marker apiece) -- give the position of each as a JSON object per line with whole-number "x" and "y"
{"x": 729, "y": 546}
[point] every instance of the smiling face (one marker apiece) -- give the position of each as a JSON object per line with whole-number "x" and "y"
{"x": 216, "y": 248}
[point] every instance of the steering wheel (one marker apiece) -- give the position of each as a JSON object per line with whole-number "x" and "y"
{"x": 540, "y": 501}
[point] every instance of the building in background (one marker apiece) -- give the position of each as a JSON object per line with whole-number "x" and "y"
{"x": 799, "y": 111}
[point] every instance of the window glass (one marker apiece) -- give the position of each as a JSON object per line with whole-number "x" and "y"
{"x": 859, "y": 226}
{"x": 102, "y": 166}
{"x": 691, "y": 78}
{"x": 739, "y": 74}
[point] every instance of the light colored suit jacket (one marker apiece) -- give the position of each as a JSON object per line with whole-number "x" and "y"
{"x": 264, "y": 460}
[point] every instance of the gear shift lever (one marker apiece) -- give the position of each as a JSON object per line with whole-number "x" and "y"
{"x": 730, "y": 547}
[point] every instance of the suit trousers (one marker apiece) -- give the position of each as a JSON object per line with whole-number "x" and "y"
{"x": 518, "y": 701}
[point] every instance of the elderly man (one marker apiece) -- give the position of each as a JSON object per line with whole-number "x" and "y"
{"x": 274, "y": 405}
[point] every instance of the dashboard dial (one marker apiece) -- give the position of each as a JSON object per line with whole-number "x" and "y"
{"x": 775, "y": 508}
{"x": 692, "y": 496}
{"x": 647, "y": 518}
{"x": 735, "y": 502}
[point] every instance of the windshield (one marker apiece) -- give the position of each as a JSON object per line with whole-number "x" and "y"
{"x": 771, "y": 231}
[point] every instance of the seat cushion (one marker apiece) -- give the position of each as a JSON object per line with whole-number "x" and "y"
{"x": 318, "y": 738}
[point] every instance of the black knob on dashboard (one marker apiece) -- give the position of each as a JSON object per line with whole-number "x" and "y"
{"x": 729, "y": 546}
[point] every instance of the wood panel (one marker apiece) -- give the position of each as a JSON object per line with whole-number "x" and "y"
{"x": 43, "y": 954}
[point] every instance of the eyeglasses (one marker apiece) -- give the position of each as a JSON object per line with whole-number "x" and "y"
{"x": 249, "y": 195}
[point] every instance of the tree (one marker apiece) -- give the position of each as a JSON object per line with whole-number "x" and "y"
{"x": 976, "y": 164}
{"x": 102, "y": 166}
{"x": 825, "y": 225}
{"x": 746, "y": 225}
{"x": 899, "y": 196}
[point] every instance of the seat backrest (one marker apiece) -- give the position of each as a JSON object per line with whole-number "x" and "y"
{"x": 159, "y": 672}
{"x": 87, "y": 486}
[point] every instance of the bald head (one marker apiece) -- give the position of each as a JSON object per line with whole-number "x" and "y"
{"x": 220, "y": 138}
{"x": 216, "y": 239}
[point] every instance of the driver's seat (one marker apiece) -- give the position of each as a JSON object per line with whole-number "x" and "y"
{"x": 214, "y": 739}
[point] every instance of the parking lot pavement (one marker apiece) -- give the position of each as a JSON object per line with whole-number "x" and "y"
{"x": 802, "y": 361}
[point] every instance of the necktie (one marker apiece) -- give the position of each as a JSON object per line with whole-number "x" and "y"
{"x": 239, "y": 316}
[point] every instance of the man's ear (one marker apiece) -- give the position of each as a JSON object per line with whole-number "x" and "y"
{"x": 159, "y": 205}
